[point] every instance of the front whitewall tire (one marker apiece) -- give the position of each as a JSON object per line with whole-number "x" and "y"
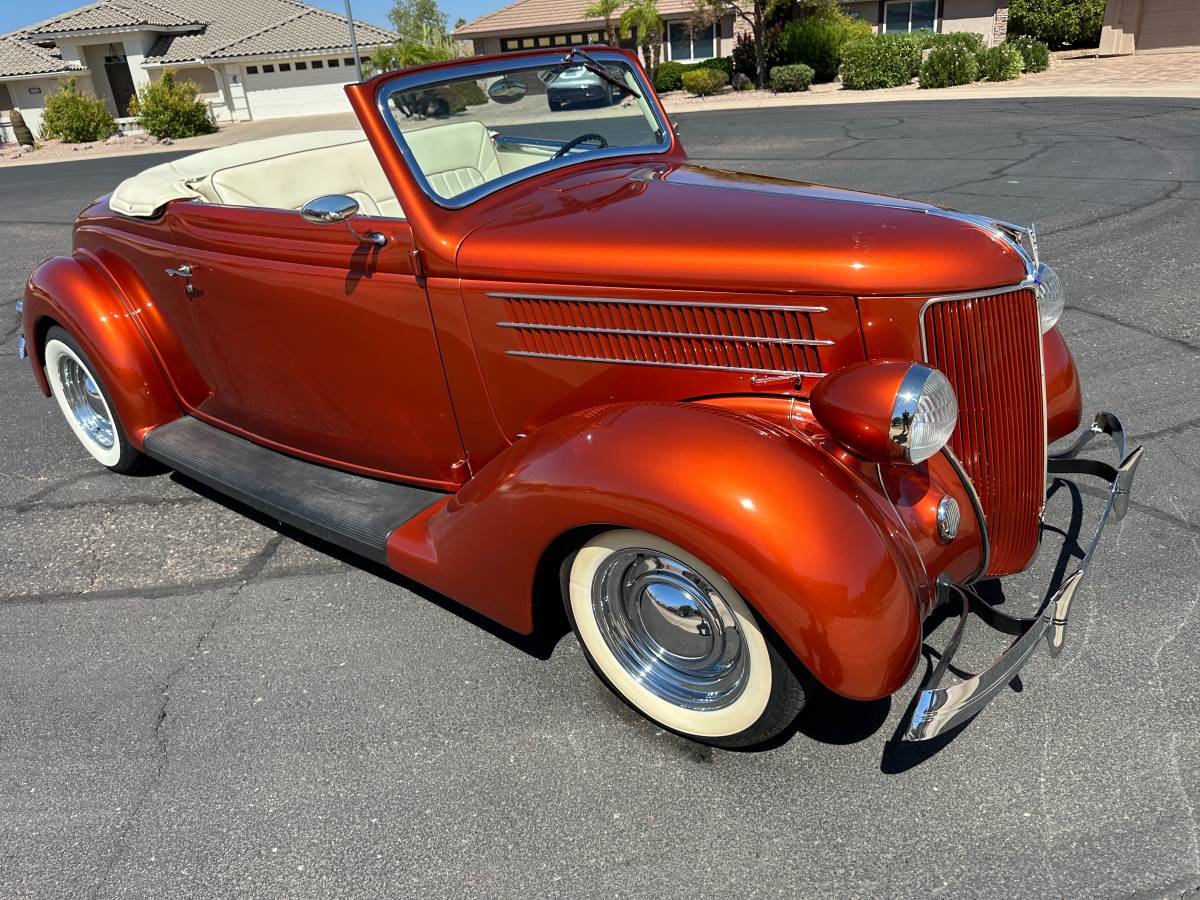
{"x": 733, "y": 717}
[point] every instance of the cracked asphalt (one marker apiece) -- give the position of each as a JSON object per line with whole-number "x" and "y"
{"x": 196, "y": 703}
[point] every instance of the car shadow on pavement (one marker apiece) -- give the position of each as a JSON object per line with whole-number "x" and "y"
{"x": 549, "y": 627}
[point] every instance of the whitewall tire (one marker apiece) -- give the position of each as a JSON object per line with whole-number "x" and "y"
{"x": 676, "y": 641}
{"x": 85, "y": 403}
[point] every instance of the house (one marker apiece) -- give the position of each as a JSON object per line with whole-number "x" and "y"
{"x": 1147, "y": 26}
{"x": 538, "y": 24}
{"x": 252, "y": 60}
{"x": 531, "y": 24}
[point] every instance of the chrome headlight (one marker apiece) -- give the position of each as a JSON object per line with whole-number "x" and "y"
{"x": 1050, "y": 296}
{"x": 924, "y": 414}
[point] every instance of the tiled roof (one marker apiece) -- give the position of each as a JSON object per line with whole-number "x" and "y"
{"x": 18, "y": 57}
{"x": 110, "y": 14}
{"x": 217, "y": 29}
{"x": 535, "y": 15}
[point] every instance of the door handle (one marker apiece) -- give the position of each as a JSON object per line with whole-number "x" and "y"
{"x": 184, "y": 271}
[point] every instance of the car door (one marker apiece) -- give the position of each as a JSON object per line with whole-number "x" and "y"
{"x": 317, "y": 342}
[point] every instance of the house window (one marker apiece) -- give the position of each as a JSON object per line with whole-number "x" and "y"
{"x": 349, "y": 60}
{"x": 560, "y": 40}
{"x": 268, "y": 69}
{"x": 301, "y": 66}
{"x": 577, "y": 39}
{"x": 544, "y": 41}
{"x": 251, "y": 70}
{"x": 526, "y": 42}
{"x": 909, "y": 15}
{"x": 318, "y": 63}
{"x": 285, "y": 67}
{"x": 334, "y": 63}
{"x": 688, "y": 44}
{"x": 511, "y": 44}
{"x": 593, "y": 37}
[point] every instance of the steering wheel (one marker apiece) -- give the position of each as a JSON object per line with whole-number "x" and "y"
{"x": 575, "y": 142}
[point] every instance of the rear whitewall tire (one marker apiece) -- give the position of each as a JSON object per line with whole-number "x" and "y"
{"x": 769, "y": 690}
{"x": 85, "y": 404}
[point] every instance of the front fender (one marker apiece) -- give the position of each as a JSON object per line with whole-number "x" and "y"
{"x": 77, "y": 294}
{"x": 817, "y": 554}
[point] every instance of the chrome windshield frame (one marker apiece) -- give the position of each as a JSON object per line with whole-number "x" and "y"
{"x": 426, "y": 78}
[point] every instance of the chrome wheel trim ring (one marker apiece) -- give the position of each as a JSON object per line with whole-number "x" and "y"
{"x": 86, "y": 403}
{"x": 670, "y": 629}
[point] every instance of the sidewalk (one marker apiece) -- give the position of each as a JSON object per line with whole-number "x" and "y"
{"x": 1072, "y": 75}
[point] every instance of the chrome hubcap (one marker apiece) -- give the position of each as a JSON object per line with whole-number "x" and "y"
{"x": 85, "y": 402}
{"x": 670, "y": 629}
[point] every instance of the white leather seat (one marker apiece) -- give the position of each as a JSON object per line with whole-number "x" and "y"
{"x": 286, "y": 172}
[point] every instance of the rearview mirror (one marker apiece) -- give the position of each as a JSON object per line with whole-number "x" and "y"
{"x": 507, "y": 90}
{"x": 328, "y": 209}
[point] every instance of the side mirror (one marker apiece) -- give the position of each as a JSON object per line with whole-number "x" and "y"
{"x": 328, "y": 209}
{"x": 507, "y": 90}
{"x": 333, "y": 208}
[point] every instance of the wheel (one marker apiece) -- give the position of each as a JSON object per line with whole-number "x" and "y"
{"x": 86, "y": 405}
{"x": 554, "y": 105}
{"x": 673, "y": 639}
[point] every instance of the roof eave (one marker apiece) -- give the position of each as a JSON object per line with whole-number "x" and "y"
{"x": 255, "y": 57}
{"x": 62, "y": 73}
{"x": 35, "y": 37}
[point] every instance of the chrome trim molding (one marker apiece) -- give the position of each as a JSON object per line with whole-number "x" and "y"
{"x": 415, "y": 81}
{"x": 976, "y": 505}
{"x": 635, "y": 332}
{"x": 938, "y": 709}
{"x": 766, "y": 307}
{"x": 904, "y": 408}
{"x": 663, "y": 365}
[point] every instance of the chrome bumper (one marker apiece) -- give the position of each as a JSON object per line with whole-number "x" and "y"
{"x": 939, "y": 709}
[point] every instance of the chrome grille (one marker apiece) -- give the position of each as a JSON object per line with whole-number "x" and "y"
{"x": 990, "y": 350}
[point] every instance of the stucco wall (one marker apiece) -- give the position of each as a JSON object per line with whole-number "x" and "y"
{"x": 971, "y": 15}
{"x": 31, "y": 104}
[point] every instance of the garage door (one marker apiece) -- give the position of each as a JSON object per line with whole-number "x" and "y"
{"x": 1169, "y": 24}
{"x": 276, "y": 95}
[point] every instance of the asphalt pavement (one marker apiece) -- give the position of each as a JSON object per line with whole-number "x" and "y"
{"x": 195, "y": 703}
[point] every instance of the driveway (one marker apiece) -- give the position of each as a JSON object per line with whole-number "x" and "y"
{"x": 196, "y": 703}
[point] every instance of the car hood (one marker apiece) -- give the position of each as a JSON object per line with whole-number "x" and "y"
{"x": 684, "y": 226}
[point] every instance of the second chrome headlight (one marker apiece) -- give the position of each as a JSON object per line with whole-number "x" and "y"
{"x": 1050, "y": 296}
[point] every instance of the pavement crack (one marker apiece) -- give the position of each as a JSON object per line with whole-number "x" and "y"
{"x": 248, "y": 572}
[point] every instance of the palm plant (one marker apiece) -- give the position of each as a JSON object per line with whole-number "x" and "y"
{"x": 643, "y": 18}
{"x": 431, "y": 47}
{"x": 604, "y": 9}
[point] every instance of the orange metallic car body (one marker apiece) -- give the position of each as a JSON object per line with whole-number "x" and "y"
{"x": 390, "y": 364}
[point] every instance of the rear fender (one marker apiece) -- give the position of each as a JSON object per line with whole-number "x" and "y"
{"x": 77, "y": 294}
{"x": 813, "y": 550}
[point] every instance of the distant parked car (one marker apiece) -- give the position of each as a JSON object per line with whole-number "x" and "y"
{"x": 579, "y": 86}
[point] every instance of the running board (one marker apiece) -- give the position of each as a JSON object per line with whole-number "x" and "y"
{"x": 352, "y": 511}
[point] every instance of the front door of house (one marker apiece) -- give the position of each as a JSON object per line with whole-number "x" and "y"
{"x": 120, "y": 81}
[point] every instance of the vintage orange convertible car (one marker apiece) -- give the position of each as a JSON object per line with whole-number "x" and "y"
{"x": 756, "y": 430}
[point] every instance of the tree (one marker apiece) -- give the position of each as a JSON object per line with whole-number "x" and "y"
{"x": 754, "y": 13}
{"x": 643, "y": 18}
{"x": 413, "y": 18}
{"x": 604, "y": 9}
{"x": 429, "y": 47}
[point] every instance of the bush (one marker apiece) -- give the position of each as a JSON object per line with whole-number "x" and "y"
{"x": 971, "y": 41}
{"x": 1058, "y": 23}
{"x": 76, "y": 118}
{"x": 669, "y": 76}
{"x": 1000, "y": 63}
{"x": 702, "y": 82}
{"x": 879, "y": 62}
{"x": 1035, "y": 54}
{"x": 791, "y": 78}
{"x": 817, "y": 41}
{"x": 949, "y": 65}
{"x": 20, "y": 130}
{"x": 718, "y": 64}
{"x": 171, "y": 109}
{"x": 744, "y": 59}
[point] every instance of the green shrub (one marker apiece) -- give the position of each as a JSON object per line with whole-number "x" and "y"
{"x": 969, "y": 40}
{"x": 817, "y": 41}
{"x": 882, "y": 61}
{"x": 462, "y": 94}
{"x": 171, "y": 109}
{"x": 702, "y": 82}
{"x": 796, "y": 77}
{"x": 1058, "y": 23}
{"x": 1035, "y": 54}
{"x": 76, "y": 118}
{"x": 949, "y": 65}
{"x": 1000, "y": 63}
{"x": 669, "y": 76}
{"x": 717, "y": 63}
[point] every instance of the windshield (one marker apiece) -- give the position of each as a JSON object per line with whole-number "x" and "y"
{"x": 467, "y": 136}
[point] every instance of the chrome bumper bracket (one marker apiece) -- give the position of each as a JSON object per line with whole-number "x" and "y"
{"x": 939, "y": 709}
